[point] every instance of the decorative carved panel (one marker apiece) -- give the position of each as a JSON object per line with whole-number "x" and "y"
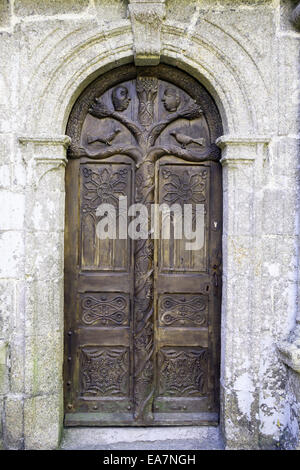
{"x": 183, "y": 310}
{"x": 103, "y": 184}
{"x": 104, "y": 371}
{"x": 105, "y": 309}
{"x": 184, "y": 185}
{"x": 182, "y": 372}
{"x": 142, "y": 315}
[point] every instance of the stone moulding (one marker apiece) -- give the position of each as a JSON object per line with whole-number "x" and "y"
{"x": 296, "y": 16}
{"x": 289, "y": 351}
{"x": 45, "y": 140}
{"x": 240, "y": 149}
{"x": 43, "y": 153}
{"x": 41, "y": 145}
{"x": 146, "y": 19}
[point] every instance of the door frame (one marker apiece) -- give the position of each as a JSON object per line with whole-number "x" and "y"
{"x": 43, "y": 149}
{"x": 199, "y": 93}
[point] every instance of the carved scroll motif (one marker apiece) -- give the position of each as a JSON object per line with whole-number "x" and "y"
{"x": 178, "y": 310}
{"x": 107, "y": 310}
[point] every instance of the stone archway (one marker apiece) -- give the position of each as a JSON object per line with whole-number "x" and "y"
{"x": 69, "y": 68}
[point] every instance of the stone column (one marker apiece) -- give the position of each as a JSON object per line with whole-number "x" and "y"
{"x": 289, "y": 349}
{"x": 45, "y": 160}
{"x": 242, "y": 160}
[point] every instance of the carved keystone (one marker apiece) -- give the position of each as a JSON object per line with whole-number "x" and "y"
{"x": 146, "y": 19}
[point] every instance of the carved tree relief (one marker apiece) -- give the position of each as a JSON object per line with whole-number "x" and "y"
{"x": 144, "y": 119}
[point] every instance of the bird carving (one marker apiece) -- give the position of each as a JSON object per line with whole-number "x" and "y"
{"x": 185, "y": 140}
{"x": 104, "y": 139}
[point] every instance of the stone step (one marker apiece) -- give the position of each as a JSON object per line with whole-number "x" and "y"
{"x": 127, "y": 438}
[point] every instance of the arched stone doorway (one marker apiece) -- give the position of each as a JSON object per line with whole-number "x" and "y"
{"x": 243, "y": 104}
{"x": 142, "y": 316}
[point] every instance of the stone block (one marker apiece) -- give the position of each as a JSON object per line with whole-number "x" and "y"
{"x": 13, "y": 419}
{"x": 44, "y": 307}
{"x": 6, "y": 146}
{"x": 12, "y": 210}
{"x": 111, "y": 10}
{"x": 238, "y": 199}
{"x": 49, "y": 7}
{"x": 279, "y": 258}
{"x": 43, "y": 422}
{"x": 237, "y": 256}
{"x": 278, "y": 304}
{"x": 240, "y": 432}
{"x": 7, "y": 298}
{"x": 12, "y": 249}
{"x": 17, "y": 355}
{"x": 45, "y": 210}
{"x": 4, "y": 368}
{"x": 289, "y": 86}
{"x": 45, "y": 255}
{"x": 4, "y": 13}
{"x": 6, "y": 105}
{"x": 283, "y": 162}
{"x": 5, "y": 176}
{"x": 43, "y": 363}
{"x": 50, "y": 178}
{"x": 279, "y": 205}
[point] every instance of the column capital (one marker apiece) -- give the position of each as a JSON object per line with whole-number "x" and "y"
{"x": 43, "y": 153}
{"x": 241, "y": 149}
{"x": 46, "y": 149}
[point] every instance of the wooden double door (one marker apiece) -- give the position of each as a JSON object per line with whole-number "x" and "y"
{"x": 142, "y": 313}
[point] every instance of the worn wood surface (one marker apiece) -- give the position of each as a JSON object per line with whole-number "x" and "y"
{"x": 142, "y": 318}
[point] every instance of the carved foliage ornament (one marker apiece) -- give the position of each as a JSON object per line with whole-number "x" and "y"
{"x": 102, "y": 186}
{"x": 185, "y": 189}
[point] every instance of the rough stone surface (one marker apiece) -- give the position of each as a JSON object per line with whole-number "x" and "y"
{"x": 4, "y": 12}
{"x": 42, "y": 422}
{"x": 13, "y": 432}
{"x": 186, "y": 438}
{"x": 49, "y": 7}
{"x": 247, "y": 55}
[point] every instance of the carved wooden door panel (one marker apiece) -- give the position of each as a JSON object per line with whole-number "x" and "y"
{"x": 142, "y": 314}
